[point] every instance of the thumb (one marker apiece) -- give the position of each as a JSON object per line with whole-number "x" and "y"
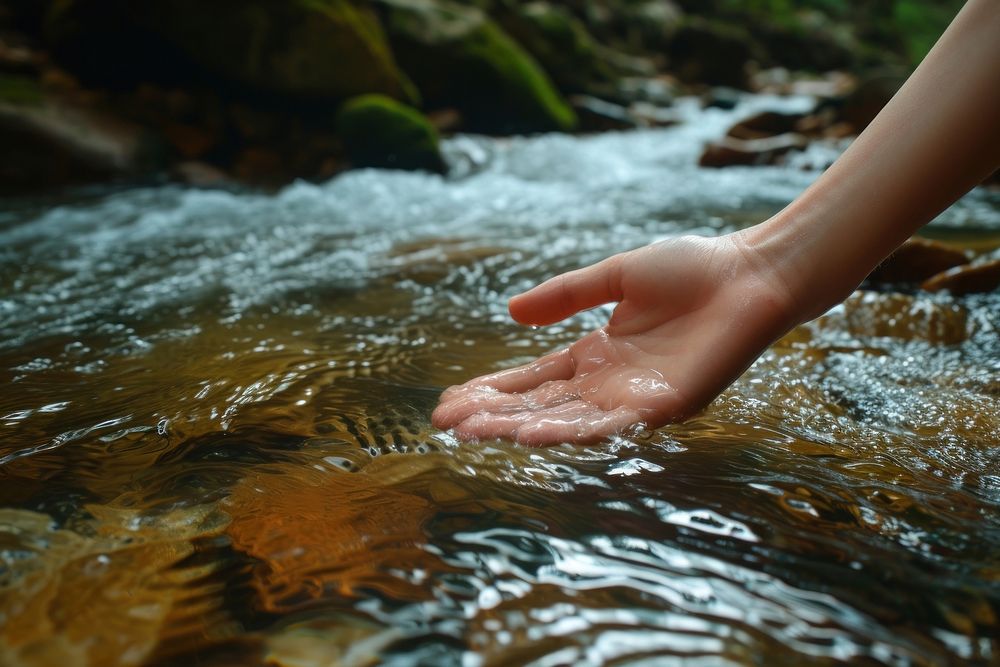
{"x": 559, "y": 297}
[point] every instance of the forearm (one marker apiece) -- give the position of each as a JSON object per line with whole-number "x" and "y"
{"x": 934, "y": 141}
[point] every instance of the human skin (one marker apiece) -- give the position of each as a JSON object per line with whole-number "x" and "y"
{"x": 693, "y": 313}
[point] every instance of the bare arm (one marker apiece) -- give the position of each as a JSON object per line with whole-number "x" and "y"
{"x": 935, "y": 140}
{"x": 694, "y": 313}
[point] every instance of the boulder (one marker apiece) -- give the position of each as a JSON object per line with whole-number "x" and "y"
{"x": 377, "y": 131}
{"x": 460, "y": 58}
{"x": 807, "y": 41}
{"x": 712, "y": 52}
{"x": 559, "y": 41}
{"x": 307, "y": 49}
{"x": 51, "y": 142}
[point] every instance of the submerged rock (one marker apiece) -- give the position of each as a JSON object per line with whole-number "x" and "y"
{"x": 916, "y": 260}
{"x": 968, "y": 279}
{"x": 380, "y": 132}
{"x": 899, "y": 316}
{"x": 460, "y": 58}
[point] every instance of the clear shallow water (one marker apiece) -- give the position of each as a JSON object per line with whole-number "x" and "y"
{"x": 215, "y": 439}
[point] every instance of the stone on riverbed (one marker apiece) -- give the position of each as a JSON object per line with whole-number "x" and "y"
{"x": 968, "y": 279}
{"x": 916, "y": 260}
{"x": 730, "y": 152}
{"x": 380, "y": 132}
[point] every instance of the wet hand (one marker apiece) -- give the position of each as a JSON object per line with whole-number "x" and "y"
{"x": 693, "y": 313}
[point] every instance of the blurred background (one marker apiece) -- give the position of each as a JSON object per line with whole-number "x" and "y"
{"x": 264, "y": 92}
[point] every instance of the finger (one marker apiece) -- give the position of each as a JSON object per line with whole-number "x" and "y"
{"x": 580, "y": 427}
{"x": 576, "y": 422}
{"x": 492, "y": 425}
{"x": 487, "y": 399}
{"x": 557, "y": 365}
{"x": 558, "y": 298}
{"x": 469, "y": 400}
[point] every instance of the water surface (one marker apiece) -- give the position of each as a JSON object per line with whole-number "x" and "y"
{"x": 215, "y": 440}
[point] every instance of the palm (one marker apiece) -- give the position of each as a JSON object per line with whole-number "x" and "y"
{"x": 692, "y": 315}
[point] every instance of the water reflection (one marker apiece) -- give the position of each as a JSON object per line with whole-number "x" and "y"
{"x": 215, "y": 440}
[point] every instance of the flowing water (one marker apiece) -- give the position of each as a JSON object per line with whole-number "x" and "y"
{"x": 215, "y": 445}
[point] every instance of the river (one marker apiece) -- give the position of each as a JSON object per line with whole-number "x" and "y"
{"x": 215, "y": 444}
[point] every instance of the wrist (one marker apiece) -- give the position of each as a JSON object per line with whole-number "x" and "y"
{"x": 815, "y": 272}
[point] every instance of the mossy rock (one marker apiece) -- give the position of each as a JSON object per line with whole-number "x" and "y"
{"x": 459, "y": 57}
{"x": 559, "y": 41}
{"x": 308, "y": 49}
{"x": 378, "y": 131}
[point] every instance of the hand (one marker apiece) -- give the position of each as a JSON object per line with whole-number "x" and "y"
{"x": 693, "y": 313}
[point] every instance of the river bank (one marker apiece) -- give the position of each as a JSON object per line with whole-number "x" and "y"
{"x": 265, "y": 93}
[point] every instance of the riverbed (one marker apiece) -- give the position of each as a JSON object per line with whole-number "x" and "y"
{"x": 215, "y": 439}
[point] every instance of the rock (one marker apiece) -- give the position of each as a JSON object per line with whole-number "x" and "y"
{"x": 649, "y": 24}
{"x": 313, "y": 538}
{"x": 721, "y": 97}
{"x": 658, "y": 90}
{"x": 597, "y": 115}
{"x": 201, "y": 175}
{"x": 916, "y": 260}
{"x": 380, "y": 132}
{"x": 16, "y": 59}
{"x": 712, "y": 52}
{"x": 559, "y": 42}
{"x": 261, "y": 166}
{"x": 460, "y": 58}
{"x": 765, "y": 124}
{"x": 51, "y": 142}
{"x": 305, "y": 49}
{"x": 634, "y": 26}
{"x": 968, "y": 279}
{"x": 445, "y": 120}
{"x": 807, "y": 43}
{"x": 731, "y": 152}
{"x": 650, "y": 115}
{"x": 189, "y": 141}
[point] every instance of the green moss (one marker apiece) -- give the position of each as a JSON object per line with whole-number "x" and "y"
{"x": 522, "y": 85}
{"x": 378, "y": 131}
{"x": 921, "y": 23}
{"x": 560, "y": 42}
{"x": 459, "y": 57}
{"x": 20, "y": 90}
